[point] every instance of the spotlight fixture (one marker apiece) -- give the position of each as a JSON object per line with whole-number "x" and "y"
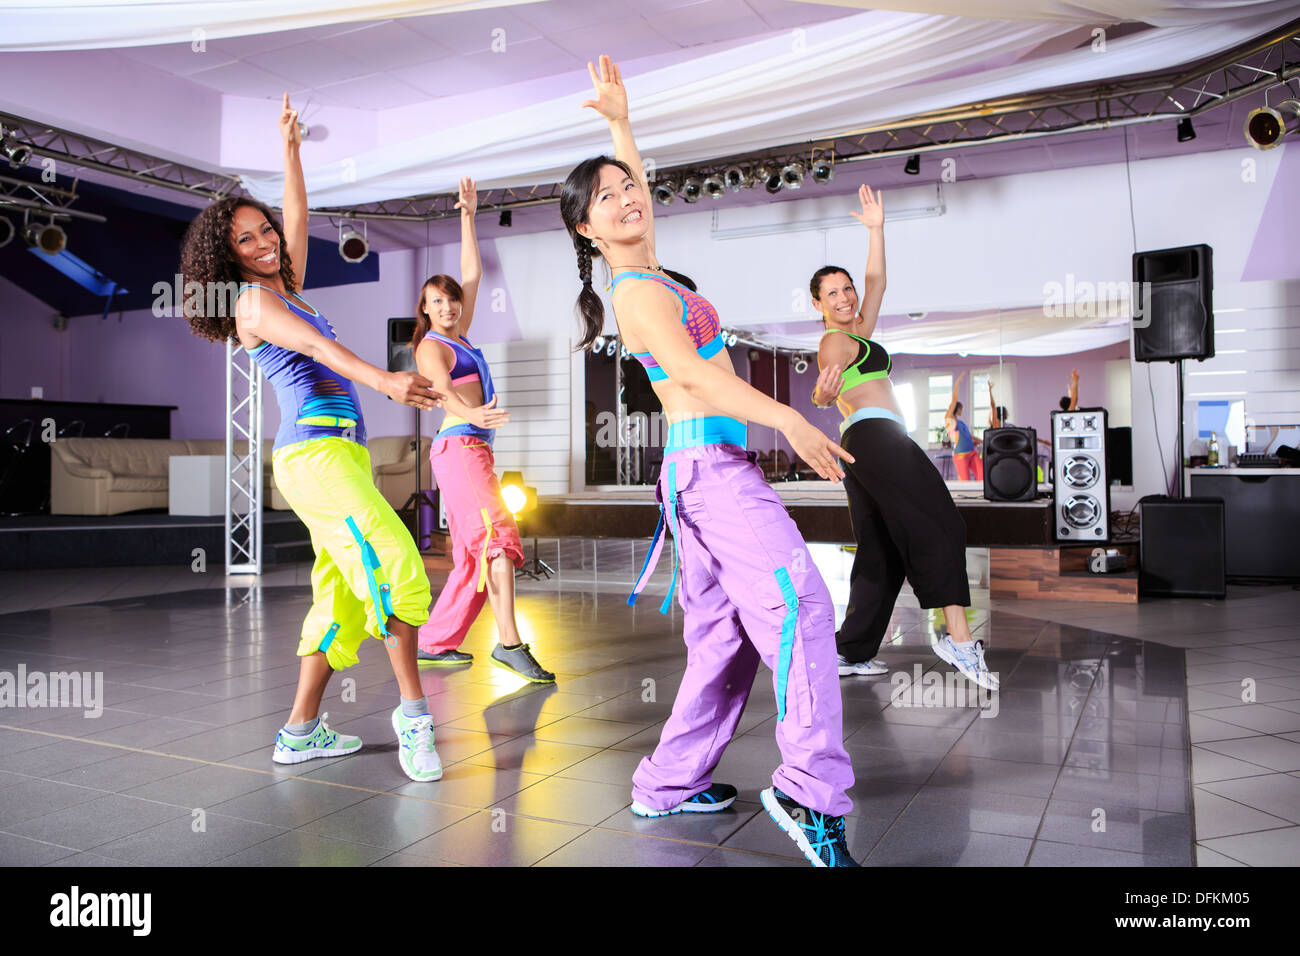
{"x": 611, "y": 348}
{"x": 353, "y": 246}
{"x": 823, "y": 171}
{"x": 913, "y": 166}
{"x": 792, "y": 175}
{"x": 1185, "y": 132}
{"x": 769, "y": 176}
{"x": 1264, "y": 127}
{"x": 714, "y": 186}
{"x": 917, "y": 316}
{"x": 598, "y": 344}
{"x": 665, "y": 191}
{"x": 49, "y": 239}
{"x": 507, "y": 218}
{"x": 18, "y": 154}
{"x": 7, "y": 231}
{"x": 736, "y": 178}
{"x": 731, "y": 339}
{"x": 800, "y": 365}
{"x": 692, "y": 188}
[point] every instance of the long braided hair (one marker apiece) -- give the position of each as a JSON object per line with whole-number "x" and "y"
{"x": 575, "y": 199}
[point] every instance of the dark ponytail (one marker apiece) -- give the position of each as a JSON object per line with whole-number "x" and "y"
{"x": 579, "y": 189}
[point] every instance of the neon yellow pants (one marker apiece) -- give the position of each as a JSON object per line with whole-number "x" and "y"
{"x": 367, "y": 566}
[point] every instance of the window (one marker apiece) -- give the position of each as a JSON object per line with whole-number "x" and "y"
{"x": 978, "y": 419}
{"x": 940, "y": 397}
{"x": 907, "y": 402}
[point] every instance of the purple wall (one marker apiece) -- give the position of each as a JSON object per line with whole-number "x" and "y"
{"x": 31, "y": 351}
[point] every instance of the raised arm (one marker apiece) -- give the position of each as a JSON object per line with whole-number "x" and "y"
{"x": 1074, "y": 389}
{"x": 261, "y": 314}
{"x": 950, "y": 416}
{"x": 431, "y": 359}
{"x": 873, "y": 284}
{"x": 656, "y": 322}
{"x": 471, "y": 263}
{"x": 994, "y": 421}
{"x": 611, "y": 103}
{"x": 294, "y": 203}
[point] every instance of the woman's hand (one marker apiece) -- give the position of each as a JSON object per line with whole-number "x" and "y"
{"x": 468, "y": 201}
{"x": 828, "y": 383}
{"x": 873, "y": 212}
{"x": 488, "y": 416}
{"x": 611, "y": 94}
{"x": 411, "y": 388}
{"x": 289, "y": 124}
{"x": 811, "y": 445}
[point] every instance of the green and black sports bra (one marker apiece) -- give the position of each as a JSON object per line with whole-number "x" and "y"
{"x": 872, "y": 363}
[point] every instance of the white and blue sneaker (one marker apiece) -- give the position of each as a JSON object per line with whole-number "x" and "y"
{"x": 871, "y": 668}
{"x": 717, "y": 797}
{"x": 819, "y": 837}
{"x": 321, "y": 742}
{"x": 968, "y": 658}
{"x": 415, "y": 751}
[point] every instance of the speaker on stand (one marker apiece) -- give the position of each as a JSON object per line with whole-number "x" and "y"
{"x": 1176, "y": 289}
{"x": 1081, "y": 485}
{"x": 1010, "y": 464}
{"x": 401, "y": 358}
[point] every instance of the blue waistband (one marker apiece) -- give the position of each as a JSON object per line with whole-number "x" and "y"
{"x": 708, "y": 430}
{"x": 862, "y": 414}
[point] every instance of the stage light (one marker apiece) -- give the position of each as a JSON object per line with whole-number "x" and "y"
{"x": 49, "y": 239}
{"x": 792, "y": 175}
{"x": 736, "y": 179}
{"x": 692, "y": 188}
{"x": 7, "y": 231}
{"x": 823, "y": 171}
{"x": 598, "y": 344}
{"x": 611, "y": 348}
{"x": 1185, "y": 131}
{"x": 913, "y": 165}
{"x": 507, "y": 218}
{"x": 714, "y": 186}
{"x": 800, "y": 365}
{"x": 665, "y": 191}
{"x": 518, "y": 497}
{"x": 18, "y": 154}
{"x": 731, "y": 339}
{"x": 1264, "y": 127}
{"x": 769, "y": 176}
{"x": 917, "y": 316}
{"x": 353, "y": 246}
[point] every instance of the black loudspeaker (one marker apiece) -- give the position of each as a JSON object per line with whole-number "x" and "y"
{"x": 1182, "y": 548}
{"x": 400, "y": 357}
{"x": 1176, "y": 288}
{"x": 1081, "y": 484}
{"x": 1119, "y": 455}
{"x": 1010, "y": 464}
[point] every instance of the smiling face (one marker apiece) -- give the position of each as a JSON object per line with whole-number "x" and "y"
{"x": 616, "y": 214}
{"x": 838, "y": 301}
{"x": 256, "y": 245}
{"x": 443, "y": 310}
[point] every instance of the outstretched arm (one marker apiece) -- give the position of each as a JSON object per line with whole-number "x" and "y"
{"x": 260, "y": 314}
{"x": 471, "y": 263}
{"x": 294, "y": 203}
{"x": 873, "y": 285}
{"x": 611, "y": 103}
{"x": 952, "y": 406}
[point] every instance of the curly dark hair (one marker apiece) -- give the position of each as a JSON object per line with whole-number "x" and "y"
{"x": 208, "y": 258}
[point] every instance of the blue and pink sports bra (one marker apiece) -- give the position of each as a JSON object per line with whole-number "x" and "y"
{"x": 470, "y": 366}
{"x": 698, "y": 315}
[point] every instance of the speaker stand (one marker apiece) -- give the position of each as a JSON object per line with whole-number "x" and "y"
{"x": 535, "y": 569}
{"x": 419, "y": 495}
{"x": 1178, "y": 485}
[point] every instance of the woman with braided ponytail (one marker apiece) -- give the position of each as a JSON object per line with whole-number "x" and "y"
{"x": 748, "y": 589}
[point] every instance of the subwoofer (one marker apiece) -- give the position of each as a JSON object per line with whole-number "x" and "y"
{"x": 1080, "y": 486}
{"x": 1182, "y": 548}
{"x": 1010, "y": 464}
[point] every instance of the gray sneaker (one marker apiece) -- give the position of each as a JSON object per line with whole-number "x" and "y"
{"x": 444, "y": 658}
{"x": 519, "y": 660}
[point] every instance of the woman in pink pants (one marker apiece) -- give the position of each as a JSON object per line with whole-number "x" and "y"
{"x": 749, "y": 589}
{"x": 485, "y": 539}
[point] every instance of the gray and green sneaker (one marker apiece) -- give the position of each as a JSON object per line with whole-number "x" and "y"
{"x": 416, "y": 753}
{"x": 321, "y": 742}
{"x": 519, "y": 660}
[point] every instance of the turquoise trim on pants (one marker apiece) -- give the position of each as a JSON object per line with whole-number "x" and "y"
{"x": 370, "y": 561}
{"x": 677, "y": 530}
{"x": 328, "y": 639}
{"x": 787, "y": 638}
{"x": 862, "y": 414}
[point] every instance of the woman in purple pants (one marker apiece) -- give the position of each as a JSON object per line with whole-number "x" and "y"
{"x": 748, "y": 588}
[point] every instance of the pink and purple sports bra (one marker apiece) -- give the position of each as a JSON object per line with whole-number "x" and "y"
{"x": 698, "y": 315}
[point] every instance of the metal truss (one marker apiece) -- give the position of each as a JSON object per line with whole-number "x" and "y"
{"x": 89, "y": 153}
{"x": 41, "y": 200}
{"x": 243, "y": 471}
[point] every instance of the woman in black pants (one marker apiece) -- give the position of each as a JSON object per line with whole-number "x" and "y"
{"x": 903, "y": 516}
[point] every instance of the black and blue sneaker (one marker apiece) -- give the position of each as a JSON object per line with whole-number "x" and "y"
{"x": 717, "y": 797}
{"x": 820, "y": 837}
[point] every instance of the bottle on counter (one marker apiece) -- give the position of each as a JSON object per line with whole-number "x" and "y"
{"x": 1214, "y": 451}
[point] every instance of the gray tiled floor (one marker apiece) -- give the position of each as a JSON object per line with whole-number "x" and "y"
{"x": 1112, "y": 745}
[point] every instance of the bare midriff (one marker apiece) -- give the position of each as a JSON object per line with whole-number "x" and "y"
{"x": 878, "y": 393}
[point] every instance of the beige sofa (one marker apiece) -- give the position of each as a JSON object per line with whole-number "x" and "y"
{"x": 107, "y": 476}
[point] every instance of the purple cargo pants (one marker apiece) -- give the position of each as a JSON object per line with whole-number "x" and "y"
{"x": 749, "y": 592}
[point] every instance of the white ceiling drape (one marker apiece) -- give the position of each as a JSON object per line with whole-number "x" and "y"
{"x": 1160, "y": 13}
{"x": 851, "y": 73}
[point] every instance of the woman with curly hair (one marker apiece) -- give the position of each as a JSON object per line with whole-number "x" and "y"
{"x": 485, "y": 538}
{"x": 903, "y": 515}
{"x": 749, "y": 591}
{"x": 368, "y": 577}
